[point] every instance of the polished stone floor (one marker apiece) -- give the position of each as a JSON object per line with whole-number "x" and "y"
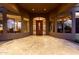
{"x": 38, "y": 45}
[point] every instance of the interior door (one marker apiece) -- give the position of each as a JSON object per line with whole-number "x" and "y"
{"x": 39, "y": 27}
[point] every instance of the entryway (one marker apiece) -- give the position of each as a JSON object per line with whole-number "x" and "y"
{"x": 39, "y": 26}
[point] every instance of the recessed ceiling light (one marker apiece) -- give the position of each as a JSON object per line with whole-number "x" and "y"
{"x": 45, "y": 9}
{"x": 33, "y": 9}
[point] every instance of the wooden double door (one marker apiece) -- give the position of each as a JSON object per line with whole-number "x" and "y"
{"x": 39, "y": 27}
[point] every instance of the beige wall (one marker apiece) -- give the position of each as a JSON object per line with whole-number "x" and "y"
{"x": 17, "y": 18}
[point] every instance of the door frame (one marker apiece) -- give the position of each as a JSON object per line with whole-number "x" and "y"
{"x": 34, "y": 24}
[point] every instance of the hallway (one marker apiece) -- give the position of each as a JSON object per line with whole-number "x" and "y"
{"x": 38, "y": 45}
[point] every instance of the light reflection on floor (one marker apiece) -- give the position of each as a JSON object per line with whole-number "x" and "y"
{"x": 33, "y": 45}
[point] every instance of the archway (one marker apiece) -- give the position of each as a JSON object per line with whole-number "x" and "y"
{"x": 39, "y": 26}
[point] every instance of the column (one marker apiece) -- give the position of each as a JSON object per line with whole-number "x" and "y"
{"x": 31, "y": 25}
{"x": 73, "y": 22}
{"x": 4, "y": 11}
{"x": 22, "y": 25}
{"x": 47, "y": 25}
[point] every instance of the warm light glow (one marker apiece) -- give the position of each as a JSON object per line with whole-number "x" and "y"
{"x": 77, "y": 14}
{"x": 14, "y": 17}
{"x": 1, "y": 27}
{"x": 39, "y": 18}
{"x": 33, "y": 9}
{"x": 45, "y": 9}
{"x": 19, "y": 25}
{"x": 26, "y": 19}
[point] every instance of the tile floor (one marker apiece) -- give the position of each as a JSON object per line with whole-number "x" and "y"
{"x": 38, "y": 45}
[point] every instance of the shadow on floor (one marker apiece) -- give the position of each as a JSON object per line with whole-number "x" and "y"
{"x": 75, "y": 41}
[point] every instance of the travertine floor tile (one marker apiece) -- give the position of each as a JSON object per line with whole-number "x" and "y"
{"x": 38, "y": 45}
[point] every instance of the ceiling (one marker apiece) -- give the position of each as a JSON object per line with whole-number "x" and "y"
{"x": 45, "y": 7}
{"x": 10, "y": 7}
{"x": 38, "y": 7}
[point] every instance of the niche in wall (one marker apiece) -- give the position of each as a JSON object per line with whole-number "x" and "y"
{"x": 25, "y": 25}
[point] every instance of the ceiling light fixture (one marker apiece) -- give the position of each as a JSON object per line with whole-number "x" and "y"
{"x": 45, "y": 9}
{"x": 33, "y": 9}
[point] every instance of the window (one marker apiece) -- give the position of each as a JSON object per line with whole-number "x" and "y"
{"x": 77, "y": 21}
{"x": 59, "y": 25}
{"x": 14, "y": 24}
{"x": 10, "y": 25}
{"x": 19, "y": 25}
{"x": 67, "y": 25}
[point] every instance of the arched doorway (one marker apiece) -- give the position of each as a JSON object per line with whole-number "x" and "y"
{"x": 39, "y": 26}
